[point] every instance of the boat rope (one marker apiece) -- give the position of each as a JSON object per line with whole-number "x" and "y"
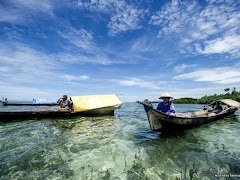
{"x": 123, "y": 125}
{"x": 137, "y": 174}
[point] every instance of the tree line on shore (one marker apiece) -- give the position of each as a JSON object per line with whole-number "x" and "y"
{"x": 230, "y": 94}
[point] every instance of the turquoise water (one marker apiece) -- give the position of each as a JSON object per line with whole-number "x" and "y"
{"x": 77, "y": 148}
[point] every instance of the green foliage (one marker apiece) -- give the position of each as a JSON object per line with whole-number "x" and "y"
{"x": 234, "y": 95}
{"x": 186, "y": 100}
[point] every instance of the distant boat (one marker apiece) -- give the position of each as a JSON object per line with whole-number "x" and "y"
{"x": 28, "y": 104}
{"x": 95, "y": 105}
{"x": 6, "y": 103}
{"x": 160, "y": 121}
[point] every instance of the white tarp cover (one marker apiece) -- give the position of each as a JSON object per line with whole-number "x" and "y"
{"x": 86, "y": 103}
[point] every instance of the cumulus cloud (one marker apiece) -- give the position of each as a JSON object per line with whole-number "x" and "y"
{"x": 220, "y": 75}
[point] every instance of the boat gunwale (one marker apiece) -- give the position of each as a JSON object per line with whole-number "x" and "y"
{"x": 194, "y": 111}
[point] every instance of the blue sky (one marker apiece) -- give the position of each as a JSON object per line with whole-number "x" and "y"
{"x": 137, "y": 49}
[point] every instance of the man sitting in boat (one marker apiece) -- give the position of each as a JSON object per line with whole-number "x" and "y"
{"x": 65, "y": 103}
{"x": 166, "y": 106}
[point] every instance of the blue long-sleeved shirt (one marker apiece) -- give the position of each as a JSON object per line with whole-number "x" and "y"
{"x": 167, "y": 108}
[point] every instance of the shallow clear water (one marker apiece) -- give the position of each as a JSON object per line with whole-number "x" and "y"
{"x": 77, "y": 148}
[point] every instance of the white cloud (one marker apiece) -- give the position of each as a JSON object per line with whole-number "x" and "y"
{"x": 21, "y": 11}
{"x": 19, "y": 57}
{"x": 123, "y": 16}
{"x": 71, "y": 78}
{"x": 138, "y": 82}
{"x": 221, "y": 75}
{"x": 79, "y": 37}
{"x": 43, "y": 5}
{"x": 174, "y": 16}
{"x": 145, "y": 44}
{"x": 26, "y": 73}
{"x": 183, "y": 67}
{"x": 95, "y": 58}
{"x": 200, "y": 22}
{"x": 26, "y": 65}
{"x": 227, "y": 44}
{"x": 83, "y": 48}
{"x": 209, "y": 29}
{"x": 105, "y": 6}
{"x": 126, "y": 19}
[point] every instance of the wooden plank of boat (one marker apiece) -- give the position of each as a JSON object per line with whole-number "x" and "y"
{"x": 29, "y": 104}
{"x": 160, "y": 121}
{"x": 54, "y": 113}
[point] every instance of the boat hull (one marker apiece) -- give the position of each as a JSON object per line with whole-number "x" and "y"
{"x": 54, "y": 113}
{"x": 159, "y": 121}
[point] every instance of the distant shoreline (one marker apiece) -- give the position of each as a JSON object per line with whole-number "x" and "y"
{"x": 234, "y": 95}
{"x": 175, "y": 102}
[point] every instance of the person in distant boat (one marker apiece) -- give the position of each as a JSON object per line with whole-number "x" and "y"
{"x": 166, "y": 106}
{"x": 65, "y": 103}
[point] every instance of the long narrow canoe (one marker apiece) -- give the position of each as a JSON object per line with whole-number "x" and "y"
{"x": 95, "y": 105}
{"x": 6, "y": 103}
{"x": 29, "y": 104}
{"x": 160, "y": 121}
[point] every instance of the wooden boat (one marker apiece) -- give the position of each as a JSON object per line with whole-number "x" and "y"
{"x": 6, "y": 103}
{"x": 98, "y": 105}
{"x": 54, "y": 113}
{"x": 29, "y": 104}
{"x": 160, "y": 121}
